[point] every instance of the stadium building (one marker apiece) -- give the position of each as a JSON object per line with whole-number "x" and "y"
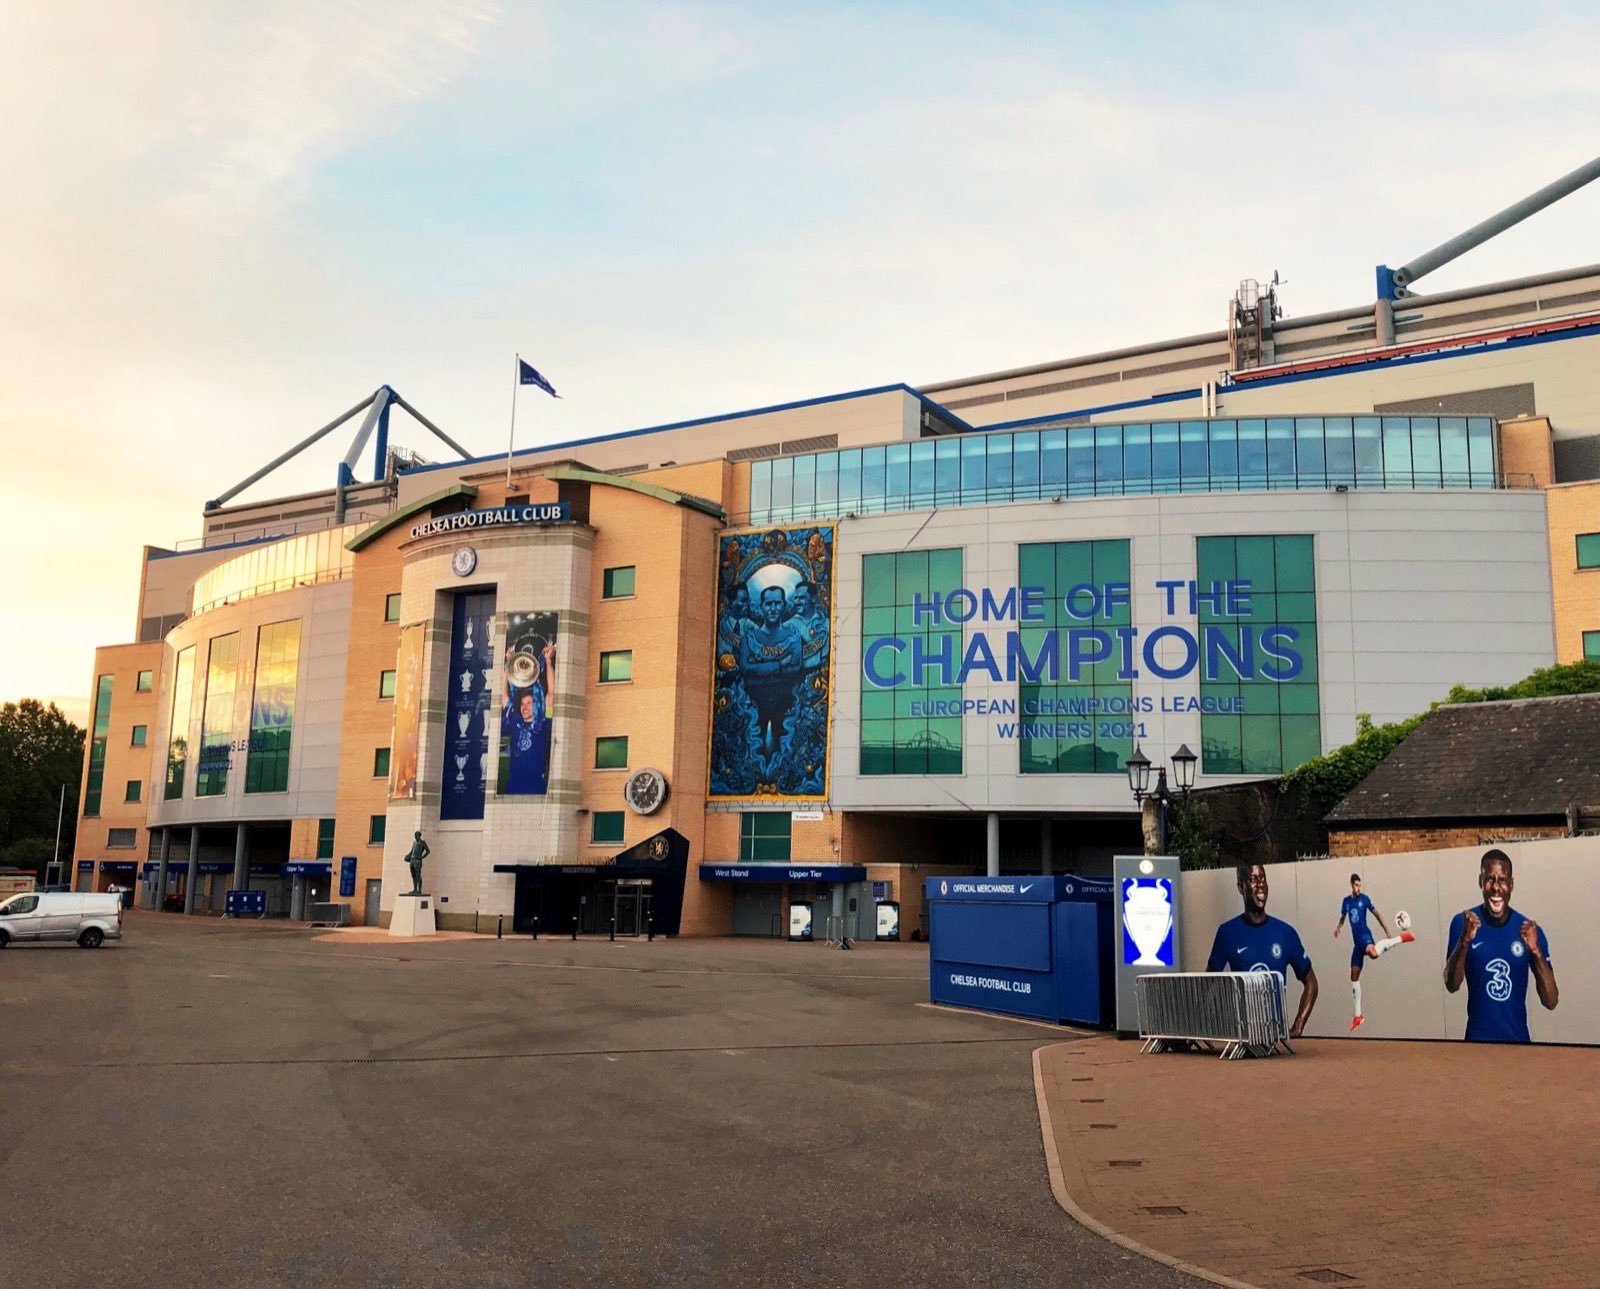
{"x": 773, "y": 667}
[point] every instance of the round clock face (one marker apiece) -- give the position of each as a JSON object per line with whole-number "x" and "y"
{"x": 645, "y": 791}
{"x": 463, "y": 561}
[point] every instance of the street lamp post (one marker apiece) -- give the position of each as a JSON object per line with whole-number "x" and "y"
{"x": 1139, "y": 766}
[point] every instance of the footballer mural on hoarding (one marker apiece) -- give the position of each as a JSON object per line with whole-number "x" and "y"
{"x": 773, "y": 682}
{"x": 525, "y": 719}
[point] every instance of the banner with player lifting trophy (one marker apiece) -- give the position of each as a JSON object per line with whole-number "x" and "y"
{"x": 1487, "y": 943}
{"x": 525, "y": 718}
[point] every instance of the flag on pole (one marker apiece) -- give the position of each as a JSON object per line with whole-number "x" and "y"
{"x": 526, "y": 375}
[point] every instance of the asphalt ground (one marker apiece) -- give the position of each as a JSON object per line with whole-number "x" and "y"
{"x": 223, "y": 1104}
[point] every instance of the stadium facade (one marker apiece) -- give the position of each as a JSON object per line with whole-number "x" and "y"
{"x": 739, "y": 673}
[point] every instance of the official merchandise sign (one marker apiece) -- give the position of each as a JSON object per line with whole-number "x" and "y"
{"x": 551, "y": 512}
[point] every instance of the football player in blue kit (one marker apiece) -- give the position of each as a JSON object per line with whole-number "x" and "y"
{"x": 1493, "y": 948}
{"x": 1354, "y": 909}
{"x": 1253, "y": 941}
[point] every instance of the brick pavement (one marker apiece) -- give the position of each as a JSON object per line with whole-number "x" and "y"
{"x": 1352, "y": 1163}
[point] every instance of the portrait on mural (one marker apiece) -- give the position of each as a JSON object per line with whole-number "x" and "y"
{"x": 1493, "y": 950}
{"x": 407, "y": 713}
{"x": 525, "y": 724}
{"x": 1257, "y": 941}
{"x": 769, "y": 716}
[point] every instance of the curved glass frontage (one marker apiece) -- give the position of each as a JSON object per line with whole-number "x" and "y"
{"x": 1137, "y": 459}
{"x": 307, "y": 560}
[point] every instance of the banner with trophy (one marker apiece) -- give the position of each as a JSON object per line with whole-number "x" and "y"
{"x": 467, "y": 711}
{"x": 407, "y": 713}
{"x": 525, "y": 719}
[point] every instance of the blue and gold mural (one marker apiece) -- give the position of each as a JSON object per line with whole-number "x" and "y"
{"x": 769, "y": 711}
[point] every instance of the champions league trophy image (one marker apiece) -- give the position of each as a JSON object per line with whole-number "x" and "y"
{"x": 466, "y": 644}
{"x": 1147, "y": 917}
{"x": 461, "y": 768}
{"x": 462, "y": 720}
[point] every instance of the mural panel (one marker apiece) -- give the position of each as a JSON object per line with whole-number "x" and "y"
{"x": 770, "y": 705}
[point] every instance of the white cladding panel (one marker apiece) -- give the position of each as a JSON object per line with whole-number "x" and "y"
{"x": 1398, "y": 622}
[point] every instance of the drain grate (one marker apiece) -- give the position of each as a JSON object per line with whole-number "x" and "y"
{"x": 1084, "y": 1078}
{"x": 1326, "y": 1276}
{"x": 1102, "y": 1125}
{"x": 1091, "y": 1100}
{"x": 1165, "y": 1210}
{"x": 1125, "y": 1163}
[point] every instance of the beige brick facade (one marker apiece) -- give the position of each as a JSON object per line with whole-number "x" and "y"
{"x": 125, "y": 762}
{"x": 1574, "y": 508}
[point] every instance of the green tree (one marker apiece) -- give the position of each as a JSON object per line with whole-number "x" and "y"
{"x": 33, "y": 853}
{"x": 40, "y": 749}
{"x": 1191, "y": 837}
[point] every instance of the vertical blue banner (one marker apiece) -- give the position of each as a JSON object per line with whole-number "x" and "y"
{"x": 347, "y": 877}
{"x": 467, "y": 716}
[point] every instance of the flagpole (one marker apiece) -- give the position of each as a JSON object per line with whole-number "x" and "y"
{"x": 511, "y": 443}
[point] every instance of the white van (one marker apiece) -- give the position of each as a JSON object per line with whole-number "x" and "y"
{"x": 91, "y": 920}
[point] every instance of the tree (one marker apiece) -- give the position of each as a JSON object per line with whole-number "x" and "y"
{"x": 32, "y": 853}
{"x": 40, "y": 749}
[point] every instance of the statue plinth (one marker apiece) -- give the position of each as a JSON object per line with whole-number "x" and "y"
{"x": 413, "y": 916}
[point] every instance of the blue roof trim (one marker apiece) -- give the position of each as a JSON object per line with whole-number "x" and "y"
{"x": 1411, "y": 360}
{"x": 899, "y": 387}
{"x": 1155, "y": 400}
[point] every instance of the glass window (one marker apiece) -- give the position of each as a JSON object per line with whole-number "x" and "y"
{"x": 905, "y": 726}
{"x": 1052, "y": 462}
{"x": 872, "y": 480}
{"x": 1073, "y": 723}
{"x": 611, "y": 752}
{"x": 897, "y": 476}
{"x": 1480, "y": 450}
{"x": 1252, "y": 454}
{"x": 1108, "y": 460}
{"x": 141, "y": 736}
{"x": 122, "y": 838}
{"x": 325, "y": 837}
{"x": 1455, "y": 465}
{"x": 380, "y": 763}
{"x": 1589, "y": 550}
{"x": 145, "y": 682}
{"x": 947, "y": 472}
{"x": 607, "y": 827}
{"x": 997, "y": 483}
{"x": 1193, "y": 466}
{"x": 386, "y": 683}
{"x": 1425, "y": 452}
{"x": 850, "y": 480}
{"x": 1339, "y": 445}
{"x": 1080, "y": 461}
{"x": 827, "y": 483}
{"x": 272, "y": 709}
{"x": 764, "y": 837}
{"x": 804, "y": 501}
{"x": 178, "y": 729}
{"x": 617, "y": 583}
{"x": 1025, "y": 466}
{"x": 1369, "y": 452}
{"x": 97, "y": 746}
{"x": 216, "y": 717}
{"x": 1223, "y": 467}
{"x": 1260, "y": 722}
{"x": 391, "y": 607}
{"x": 133, "y": 790}
{"x": 1164, "y": 456}
{"x": 1310, "y": 468}
{"x": 1397, "y": 452}
{"x": 1280, "y": 453}
{"x": 1591, "y": 646}
{"x": 615, "y": 665}
{"x": 972, "y": 457}
{"x": 782, "y": 486}
{"x": 760, "y": 487}
{"x": 377, "y": 828}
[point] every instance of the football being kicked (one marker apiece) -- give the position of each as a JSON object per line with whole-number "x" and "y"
{"x": 1402, "y": 919}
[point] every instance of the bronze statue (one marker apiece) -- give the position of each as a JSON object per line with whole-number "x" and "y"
{"x": 419, "y": 851}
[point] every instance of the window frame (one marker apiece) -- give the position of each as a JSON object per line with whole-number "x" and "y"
{"x": 620, "y": 817}
{"x": 1577, "y": 551}
{"x": 611, "y": 740}
{"x": 133, "y": 792}
{"x": 144, "y": 682}
{"x": 759, "y": 838}
{"x": 134, "y": 739}
{"x": 377, "y": 829}
{"x": 391, "y": 607}
{"x": 325, "y": 831}
{"x": 388, "y": 678}
{"x": 626, "y": 655}
{"x": 1590, "y": 643}
{"x": 606, "y": 593}
{"x": 386, "y": 755}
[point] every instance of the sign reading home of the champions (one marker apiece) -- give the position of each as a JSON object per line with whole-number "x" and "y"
{"x": 773, "y": 678}
{"x": 549, "y": 512}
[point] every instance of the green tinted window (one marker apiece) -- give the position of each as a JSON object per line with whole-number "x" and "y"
{"x": 133, "y": 791}
{"x": 611, "y": 752}
{"x": 272, "y": 709}
{"x": 95, "y": 783}
{"x": 141, "y": 735}
{"x": 606, "y": 827}
{"x": 391, "y": 607}
{"x": 1591, "y": 646}
{"x": 386, "y": 684}
{"x": 616, "y": 664}
{"x": 1263, "y": 725}
{"x": 1589, "y": 550}
{"x": 1079, "y": 724}
{"x": 764, "y": 837}
{"x": 912, "y": 726}
{"x": 377, "y": 828}
{"x": 618, "y": 582}
{"x": 380, "y": 763}
{"x": 216, "y": 716}
{"x": 146, "y": 682}
{"x": 325, "y": 838}
{"x": 178, "y": 731}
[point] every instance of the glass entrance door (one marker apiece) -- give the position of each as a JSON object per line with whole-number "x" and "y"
{"x": 632, "y": 896}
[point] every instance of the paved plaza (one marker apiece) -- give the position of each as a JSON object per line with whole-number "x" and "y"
{"x": 1354, "y": 1163}
{"x": 223, "y": 1104}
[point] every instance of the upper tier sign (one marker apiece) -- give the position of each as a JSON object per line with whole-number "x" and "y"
{"x": 549, "y": 512}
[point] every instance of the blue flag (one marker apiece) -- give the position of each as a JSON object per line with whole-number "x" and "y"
{"x": 526, "y": 375}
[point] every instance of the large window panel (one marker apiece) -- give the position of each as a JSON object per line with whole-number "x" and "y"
{"x": 272, "y": 707}
{"x": 216, "y": 716}
{"x": 178, "y": 729}
{"x": 99, "y": 737}
{"x": 903, "y": 728}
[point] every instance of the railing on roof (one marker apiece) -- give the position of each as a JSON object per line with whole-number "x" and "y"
{"x": 307, "y": 560}
{"x": 1045, "y": 462}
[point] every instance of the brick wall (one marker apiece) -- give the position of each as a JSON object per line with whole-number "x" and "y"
{"x": 1573, "y": 508}
{"x": 1527, "y": 452}
{"x": 1351, "y": 842}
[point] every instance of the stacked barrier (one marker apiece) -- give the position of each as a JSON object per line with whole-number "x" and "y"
{"x": 1242, "y": 1010}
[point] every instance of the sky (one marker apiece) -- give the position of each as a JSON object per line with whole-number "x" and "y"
{"x": 226, "y": 224}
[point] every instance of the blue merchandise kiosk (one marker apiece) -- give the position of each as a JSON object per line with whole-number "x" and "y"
{"x": 1026, "y": 946}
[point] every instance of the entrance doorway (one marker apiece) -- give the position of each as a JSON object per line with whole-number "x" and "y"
{"x": 632, "y": 899}
{"x": 374, "y": 900}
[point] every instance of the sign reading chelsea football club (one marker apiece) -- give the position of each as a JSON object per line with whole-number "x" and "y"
{"x": 549, "y": 512}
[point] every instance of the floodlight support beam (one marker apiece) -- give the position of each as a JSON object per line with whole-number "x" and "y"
{"x": 222, "y": 498}
{"x": 437, "y": 432}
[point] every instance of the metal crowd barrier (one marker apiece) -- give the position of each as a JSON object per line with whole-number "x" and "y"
{"x": 1242, "y": 1010}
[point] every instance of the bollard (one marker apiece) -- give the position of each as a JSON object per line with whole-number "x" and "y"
{"x": 535, "y": 926}
{"x": 650, "y": 927}
{"x": 500, "y": 926}
{"x": 574, "y": 926}
{"x": 613, "y": 927}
